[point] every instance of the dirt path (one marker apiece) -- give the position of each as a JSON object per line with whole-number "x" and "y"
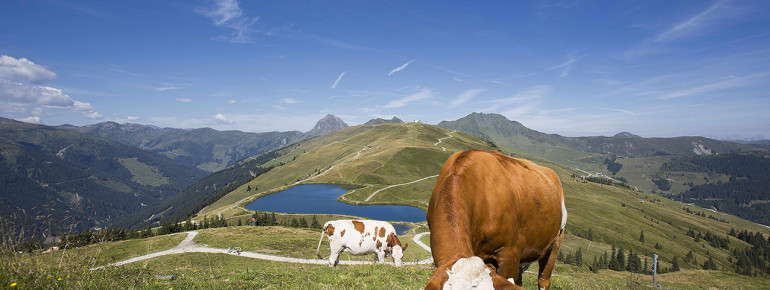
{"x": 395, "y": 185}
{"x": 189, "y": 246}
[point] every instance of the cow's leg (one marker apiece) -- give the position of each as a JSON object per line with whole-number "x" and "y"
{"x": 508, "y": 264}
{"x": 334, "y": 257}
{"x": 381, "y": 256}
{"x": 547, "y": 263}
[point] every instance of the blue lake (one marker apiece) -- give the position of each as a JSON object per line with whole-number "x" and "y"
{"x": 322, "y": 199}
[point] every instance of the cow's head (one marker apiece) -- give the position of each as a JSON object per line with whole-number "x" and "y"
{"x": 469, "y": 273}
{"x": 398, "y": 254}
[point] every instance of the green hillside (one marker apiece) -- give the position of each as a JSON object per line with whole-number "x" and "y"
{"x": 369, "y": 156}
{"x": 388, "y": 154}
{"x": 374, "y": 157}
{"x": 52, "y": 179}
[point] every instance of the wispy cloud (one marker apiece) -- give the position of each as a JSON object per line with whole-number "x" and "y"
{"x": 402, "y": 67}
{"x": 228, "y": 14}
{"x": 422, "y": 94}
{"x": 730, "y": 83}
{"x": 184, "y": 100}
{"x": 465, "y": 96}
{"x": 566, "y": 67}
{"x": 697, "y": 24}
{"x": 168, "y": 87}
{"x": 703, "y": 23}
{"x": 289, "y": 101}
{"x": 232, "y": 102}
{"x": 526, "y": 99}
{"x": 337, "y": 82}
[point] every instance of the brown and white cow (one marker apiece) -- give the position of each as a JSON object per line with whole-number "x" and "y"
{"x": 361, "y": 238}
{"x": 487, "y": 214}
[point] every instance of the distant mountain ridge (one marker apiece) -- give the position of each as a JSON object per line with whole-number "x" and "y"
{"x": 378, "y": 121}
{"x": 205, "y": 148}
{"x": 515, "y": 135}
{"x": 57, "y": 177}
{"x": 326, "y": 125}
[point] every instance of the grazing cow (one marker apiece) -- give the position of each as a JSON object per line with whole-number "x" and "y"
{"x": 487, "y": 214}
{"x": 360, "y": 238}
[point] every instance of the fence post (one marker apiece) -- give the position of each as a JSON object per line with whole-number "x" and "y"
{"x": 654, "y": 270}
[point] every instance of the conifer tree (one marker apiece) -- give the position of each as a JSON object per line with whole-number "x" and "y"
{"x": 641, "y": 236}
{"x": 314, "y": 223}
{"x": 675, "y": 264}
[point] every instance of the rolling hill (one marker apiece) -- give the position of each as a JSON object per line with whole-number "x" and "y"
{"x": 600, "y": 215}
{"x": 52, "y": 178}
{"x": 644, "y": 163}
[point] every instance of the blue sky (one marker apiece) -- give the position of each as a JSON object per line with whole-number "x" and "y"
{"x": 575, "y": 68}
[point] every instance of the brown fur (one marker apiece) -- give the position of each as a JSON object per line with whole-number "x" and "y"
{"x": 342, "y": 233}
{"x": 382, "y": 232}
{"x": 330, "y": 230}
{"x": 504, "y": 210}
{"x": 359, "y": 226}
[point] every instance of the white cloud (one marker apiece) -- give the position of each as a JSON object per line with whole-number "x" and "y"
{"x": 184, "y": 100}
{"x": 465, "y": 96}
{"x": 23, "y": 70}
{"x": 20, "y": 91}
{"x": 339, "y": 78}
{"x": 167, "y": 88}
{"x": 289, "y": 101}
{"x": 232, "y": 102}
{"x": 279, "y": 107}
{"x": 221, "y": 119}
{"x": 228, "y": 14}
{"x": 31, "y": 119}
{"x": 424, "y": 93}
{"x": 132, "y": 118}
{"x": 400, "y": 68}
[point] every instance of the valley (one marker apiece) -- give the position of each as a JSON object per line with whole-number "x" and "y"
{"x": 396, "y": 164}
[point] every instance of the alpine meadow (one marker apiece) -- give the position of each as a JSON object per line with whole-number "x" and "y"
{"x": 384, "y": 145}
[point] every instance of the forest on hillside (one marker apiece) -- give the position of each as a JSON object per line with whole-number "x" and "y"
{"x": 746, "y": 194}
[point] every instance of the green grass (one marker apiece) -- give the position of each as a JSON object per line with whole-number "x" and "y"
{"x": 614, "y": 215}
{"x": 142, "y": 173}
{"x": 206, "y": 271}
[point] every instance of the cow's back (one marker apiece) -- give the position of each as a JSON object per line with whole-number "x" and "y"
{"x": 484, "y": 201}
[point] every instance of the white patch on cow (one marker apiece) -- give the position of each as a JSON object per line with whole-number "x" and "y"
{"x": 563, "y": 214}
{"x": 511, "y": 280}
{"x": 469, "y": 273}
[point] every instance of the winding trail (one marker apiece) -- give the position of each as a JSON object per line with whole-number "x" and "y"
{"x": 395, "y": 185}
{"x": 439, "y": 140}
{"x": 189, "y": 246}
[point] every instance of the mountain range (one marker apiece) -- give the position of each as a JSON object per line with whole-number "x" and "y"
{"x": 205, "y": 148}
{"x": 57, "y": 178}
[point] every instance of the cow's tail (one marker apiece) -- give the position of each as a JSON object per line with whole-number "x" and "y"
{"x": 317, "y": 249}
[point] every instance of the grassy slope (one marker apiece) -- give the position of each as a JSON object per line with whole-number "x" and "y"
{"x": 388, "y": 154}
{"x": 199, "y": 270}
{"x": 591, "y": 206}
{"x": 142, "y": 173}
{"x": 405, "y": 152}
